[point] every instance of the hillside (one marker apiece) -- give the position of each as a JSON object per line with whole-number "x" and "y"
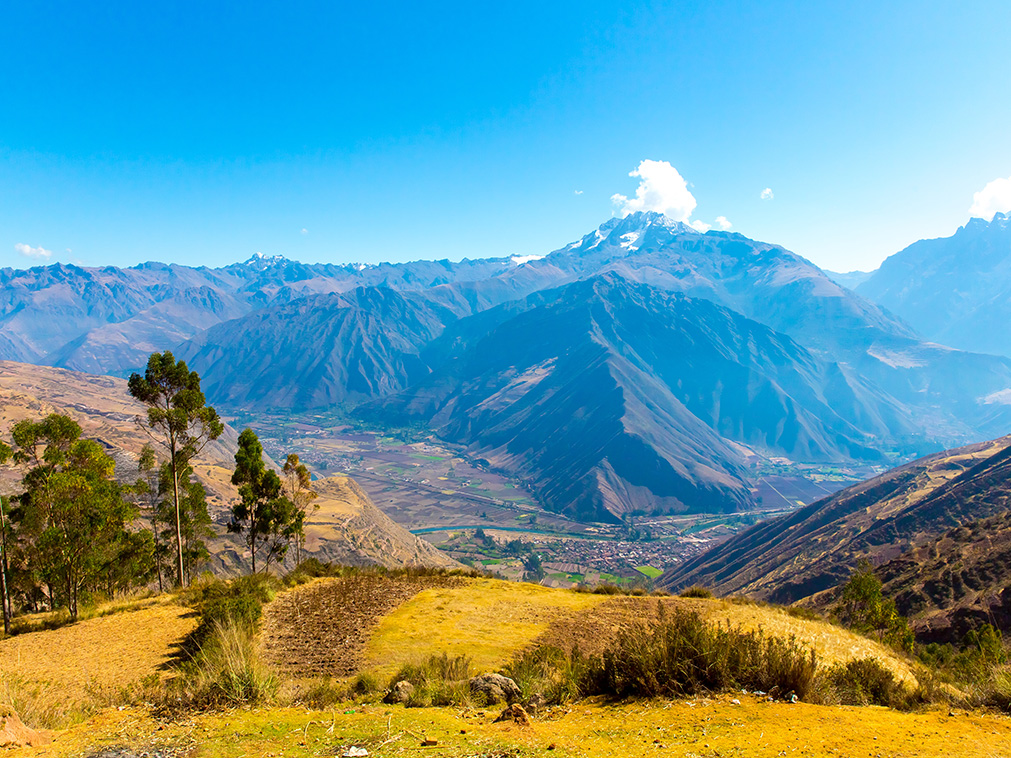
{"x": 610, "y": 396}
{"x": 318, "y": 351}
{"x": 954, "y": 290}
{"x": 956, "y": 582}
{"x": 108, "y": 320}
{"x": 348, "y": 526}
{"x": 490, "y": 621}
{"x": 794, "y": 557}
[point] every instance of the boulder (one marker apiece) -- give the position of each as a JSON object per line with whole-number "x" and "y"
{"x": 15, "y": 734}
{"x": 401, "y": 692}
{"x": 495, "y": 688}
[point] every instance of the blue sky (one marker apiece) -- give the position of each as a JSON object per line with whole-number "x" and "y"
{"x": 200, "y": 133}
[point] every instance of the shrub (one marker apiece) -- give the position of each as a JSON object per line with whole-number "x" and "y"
{"x": 864, "y": 682}
{"x": 550, "y": 672}
{"x": 685, "y": 655}
{"x": 608, "y": 589}
{"x": 697, "y": 591}
{"x": 440, "y": 680}
{"x": 321, "y": 694}
{"x": 228, "y": 668}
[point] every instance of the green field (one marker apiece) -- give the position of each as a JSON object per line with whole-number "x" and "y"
{"x": 649, "y": 571}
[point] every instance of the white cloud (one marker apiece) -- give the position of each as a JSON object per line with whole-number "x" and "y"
{"x": 28, "y": 251}
{"x": 700, "y": 226}
{"x": 995, "y": 197}
{"x": 767, "y": 194}
{"x": 304, "y": 230}
{"x": 723, "y": 223}
{"x": 662, "y": 189}
{"x": 579, "y": 192}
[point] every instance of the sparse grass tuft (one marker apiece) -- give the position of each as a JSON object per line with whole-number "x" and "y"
{"x": 696, "y": 591}
{"x": 550, "y": 672}
{"x": 439, "y": 680}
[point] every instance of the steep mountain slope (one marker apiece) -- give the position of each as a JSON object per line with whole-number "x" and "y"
{"x": 957, "y": 396}
{"x": 611, "y": 396}
{"x": 796, "y": 556}
{"x": 318, "y": 351}
{"x": 954, "y": 290}
{"x": 956, "y": 582}
{"x": 347, "y": 526}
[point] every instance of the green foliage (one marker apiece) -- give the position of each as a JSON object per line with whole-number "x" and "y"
{"x": 182, "y": 423}
{"x": 440, "y": 680}
{"x": 238, "y": 602}
{"x": 864, "y": 609}
{"x": 264, "y": 515}
{"x": 298, "y": 489}
{"x": 550, "y": 672}
{"x": 70, "y": 525}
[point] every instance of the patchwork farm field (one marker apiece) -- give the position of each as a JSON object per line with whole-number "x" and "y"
{"x": 434, "y": 490}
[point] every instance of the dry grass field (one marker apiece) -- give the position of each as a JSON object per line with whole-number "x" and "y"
{"x": 104, "y": 653}
{"x": 490, "y": 621}
{"x": 715, "y": 727}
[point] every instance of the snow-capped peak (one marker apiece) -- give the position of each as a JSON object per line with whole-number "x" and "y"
{"x": 519, "y": 260}
{"x": 261, "y": 261}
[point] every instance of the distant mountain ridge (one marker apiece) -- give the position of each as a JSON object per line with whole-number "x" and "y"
{"x": 675, "y": 373}
{"x": 954, "y": 290}
{"x": 108, "y": 320}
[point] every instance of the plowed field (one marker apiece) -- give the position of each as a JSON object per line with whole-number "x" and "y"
{"x": 320, "y": 629}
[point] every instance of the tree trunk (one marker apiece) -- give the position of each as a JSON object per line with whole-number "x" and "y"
{"x": 179, "y": 523}
{"x": 6, "y": 599}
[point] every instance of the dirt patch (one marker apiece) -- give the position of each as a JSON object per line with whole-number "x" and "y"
{"x": 320, "y": 629}
{"x": 594, "y": 629}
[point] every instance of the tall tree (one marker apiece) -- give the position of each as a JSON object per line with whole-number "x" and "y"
{"x": 72, "y": 511}
{"x": 147, "y": 489}
{"x": 195, "y": 521}
{"x": 263, "y": 515}
{"x": 181, "y": 420}
{"x": 6, "y": 453}
{"x": 298, "y": 489}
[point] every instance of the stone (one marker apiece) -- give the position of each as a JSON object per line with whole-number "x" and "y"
{"x": 401, "y": 692}
{"x": 15, "y": 734}
{"x": 515, "y": 713}
{"x": 495, "y": 688}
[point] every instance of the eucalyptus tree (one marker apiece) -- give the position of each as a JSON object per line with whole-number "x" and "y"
{"x": 6, "y": 453}
{"x": 264, "y": 515}
{"x": 298, "y": 489}
{"x": 180, "y": 420}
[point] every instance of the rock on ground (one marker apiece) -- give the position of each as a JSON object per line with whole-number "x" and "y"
{"x": 495, "y": 688}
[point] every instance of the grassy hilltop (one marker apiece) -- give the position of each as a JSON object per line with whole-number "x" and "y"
{"x": 321, "y": 657}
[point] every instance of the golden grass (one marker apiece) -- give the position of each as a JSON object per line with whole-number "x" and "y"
{"x": 488, "y": 620}
{"x": 831, "y": 643}
{"x": 106, "y": 652}
{"x": 700, "y": 727}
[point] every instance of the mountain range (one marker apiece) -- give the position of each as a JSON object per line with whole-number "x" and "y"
{"x": 954, "y": 290}
{"x": 629, "y": 371}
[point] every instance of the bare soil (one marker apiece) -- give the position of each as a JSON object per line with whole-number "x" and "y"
{"x": 320, "y": 629}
